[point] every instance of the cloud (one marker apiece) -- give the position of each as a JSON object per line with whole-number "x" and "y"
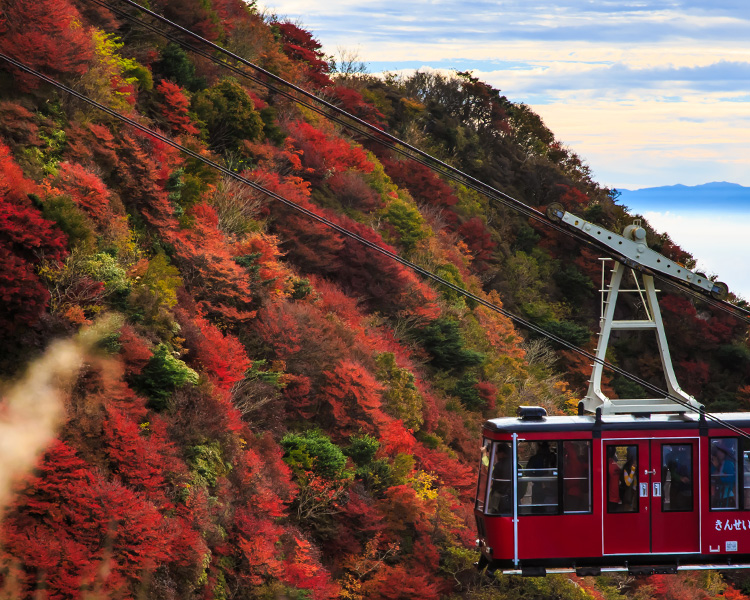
{"x": 719, "y": 76}
{"x": 714, "y": 240}
{"x": 648, "y": 92}
{"x": 477, "y": 23}
{"x": 547, "y": 78}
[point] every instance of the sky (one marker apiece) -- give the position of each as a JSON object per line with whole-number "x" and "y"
{"x": 713, "y": 239}
{"x": 647, "y": 92}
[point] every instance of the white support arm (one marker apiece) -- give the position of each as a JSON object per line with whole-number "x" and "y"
{"x": 632, "y": 247}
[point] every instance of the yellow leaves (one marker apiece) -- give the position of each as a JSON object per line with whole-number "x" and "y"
{"x": 163, "y": 280}
{"x": 106, "y": 48}
{"x": 412, "y": 105}
{"x": 425, "y": 484}
{"x": 379, "y": 180}
{"x": 351, "y": 587}
{"x": 568, "y": 399}
{"x": 113, "y": 79}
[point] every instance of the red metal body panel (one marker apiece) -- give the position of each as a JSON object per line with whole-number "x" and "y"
{"x": 662, "y": 528}
{"x": 726, "y": 533}
{"x": 500, "y": 530}
{"x": 559, "y": 536}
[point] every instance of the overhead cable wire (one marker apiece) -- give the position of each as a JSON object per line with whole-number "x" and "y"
{"x": 350, "y": 121}
{"x": 372, "y": 245}
{"x": 371, "y": 131}
{"x": 391, "y": 142}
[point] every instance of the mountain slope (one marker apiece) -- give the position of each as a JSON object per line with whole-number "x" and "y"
{"x": 277, "y": 410}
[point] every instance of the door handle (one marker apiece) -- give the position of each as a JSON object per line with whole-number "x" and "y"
{"x": 647, "y": 472}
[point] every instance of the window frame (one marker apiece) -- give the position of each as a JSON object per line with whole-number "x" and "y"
{"x": 740, "y": 476}
{"x": 690, "y": 446}
{"x": 559, "y": 447}
{"x": 605, "y": 491}
{"x": 487, "y": 477}
{"x": 490, "y": 479}
{"x": 589, "y": 478}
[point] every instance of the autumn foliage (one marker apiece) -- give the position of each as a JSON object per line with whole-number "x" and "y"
{"x": 48, "y": 36}
{"x": 277, "y": 408}
{"x": 27, "y": 240}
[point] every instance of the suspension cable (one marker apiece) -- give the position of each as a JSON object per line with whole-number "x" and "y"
{"x": 372, "y": 245}
{"x": 391, "y": 142}
{"x": 371, "y": 131}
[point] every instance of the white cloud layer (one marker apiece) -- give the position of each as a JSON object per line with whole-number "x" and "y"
{"x": 721, "y": 242}
{"x": 649, "y": 92}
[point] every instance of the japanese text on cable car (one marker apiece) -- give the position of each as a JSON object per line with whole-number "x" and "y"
{"x": 736, "y": 525}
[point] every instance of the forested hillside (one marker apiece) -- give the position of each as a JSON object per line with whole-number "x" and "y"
{"x": 268, "y": 408}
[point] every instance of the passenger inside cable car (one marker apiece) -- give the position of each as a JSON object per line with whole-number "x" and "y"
{"x": 501, "y": 493}
{"x": 646, "y": 495}
{"x": 723, "y": 474}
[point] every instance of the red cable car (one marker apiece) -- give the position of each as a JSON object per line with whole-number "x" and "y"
{"x": 642, "y": 493}
{"x": 645, "y": 485}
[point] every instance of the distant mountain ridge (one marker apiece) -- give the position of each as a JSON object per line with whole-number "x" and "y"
{"x": 715, "y": 196}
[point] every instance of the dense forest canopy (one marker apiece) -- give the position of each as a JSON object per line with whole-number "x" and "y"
{"x": 264, "y": 407}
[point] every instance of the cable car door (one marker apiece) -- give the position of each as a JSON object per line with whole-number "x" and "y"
{"x": 675, "y": 501}
{"x": 626, "y": 497}
{"x": 650, "y": 502}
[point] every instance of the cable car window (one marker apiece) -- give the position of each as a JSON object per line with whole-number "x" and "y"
{"x": 501, "y": 485}
{"x": 577, "y": 477}
{"x": 622, "y": 479}
{"x": 538, "y": 483}
{"x": 484, "y": 469}
{"x": 746, "y": 473}
{"x": 676, "y": 477}
{"x": 724, "y": 493}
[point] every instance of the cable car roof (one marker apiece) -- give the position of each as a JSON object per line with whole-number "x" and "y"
{"x": 613, "y": 422}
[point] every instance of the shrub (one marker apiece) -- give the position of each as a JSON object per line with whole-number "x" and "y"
{"x": 734, "y": 356}
{"x": 575, "y": 334}
{"x": 103, "y": 267}
{"x": 627, "y": 389}
{"x": 442, "y": 340}
{"x": 402, "y": 399}
{"x": 467, "y": 391}
{"x": 313, "y": 451}
{"x": 352, "y": 191}
{"x": 574, "y": 285}
{"x": 228, "y": 114}
{"x": 163, "y": 375}
{"x": 362, "y": 449}
{"x": 451, "y": 273}
{"x": 71, "y": 220}
{"x": 408, "y": 223}
{"x": 206, "y": 463}
{"x": 155, "y": 292}
{"x": 175, "y": 65}
{"x": 377, "y": 475}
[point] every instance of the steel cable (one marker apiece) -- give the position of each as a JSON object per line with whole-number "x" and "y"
{"x": 371, "y": 245}
{"x": 393, "y": 143}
